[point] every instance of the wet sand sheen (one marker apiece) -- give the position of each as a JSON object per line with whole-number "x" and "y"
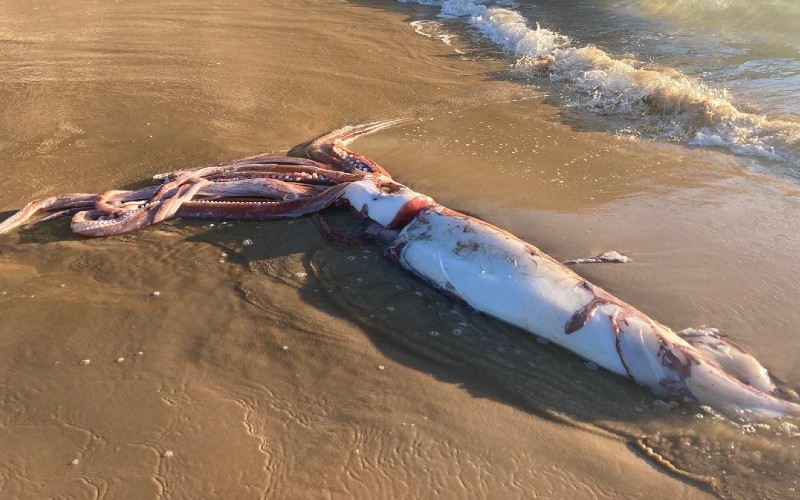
{"x": 260, "y": 367}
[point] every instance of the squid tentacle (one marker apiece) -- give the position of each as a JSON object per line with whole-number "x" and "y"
{"x": 332, "y": 149}
{"x": 59, "y": 204}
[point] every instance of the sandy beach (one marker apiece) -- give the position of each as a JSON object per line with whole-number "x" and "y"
{"x": 258, "y": 360}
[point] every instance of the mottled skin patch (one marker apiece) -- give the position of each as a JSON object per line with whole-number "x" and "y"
{"x": 586, "y": 313}
{"x": 618, "y": 346}
{"x": 583, "y": 315}
{"x": 601, "y": 298}
{"x": 672, "y": 356}
{"x": 671, "y": 360}
{"x": 463, "y": 247}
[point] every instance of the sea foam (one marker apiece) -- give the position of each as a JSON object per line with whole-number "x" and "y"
{"x": 665, "y": 103}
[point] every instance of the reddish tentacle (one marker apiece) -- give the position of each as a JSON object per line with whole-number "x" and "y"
{"x": 289, "y": 187}
{"x": 332, "y": 148}
{"x": 54, "y": 203}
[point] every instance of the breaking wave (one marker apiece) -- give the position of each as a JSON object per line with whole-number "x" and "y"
{"x": 665, "y": 103}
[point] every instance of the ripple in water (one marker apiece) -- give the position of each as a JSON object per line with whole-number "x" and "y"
{"x": 659, "y": 103}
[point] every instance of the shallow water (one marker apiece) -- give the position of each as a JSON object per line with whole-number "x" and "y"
{"x": 670, "y": 71}
{"x": 292, "y": 368}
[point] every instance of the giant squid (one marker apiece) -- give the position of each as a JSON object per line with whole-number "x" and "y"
{"x": 488, "y": 268}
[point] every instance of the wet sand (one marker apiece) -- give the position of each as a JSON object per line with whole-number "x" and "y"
{"x": 291, "y": 368}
